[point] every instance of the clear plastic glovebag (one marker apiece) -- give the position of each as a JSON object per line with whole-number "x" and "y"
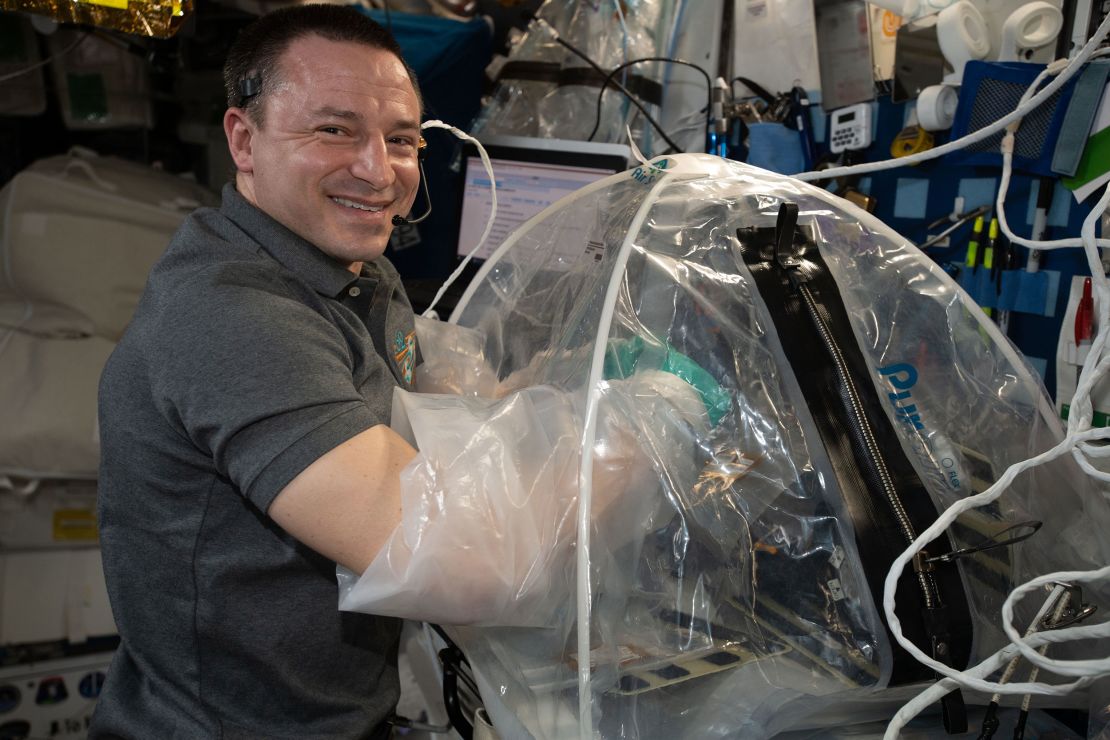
{"x": 747, "y": 397}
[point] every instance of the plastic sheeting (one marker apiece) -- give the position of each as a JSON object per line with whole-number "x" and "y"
{"x": 685, "y": 447}
{"x": 544, "y": 89}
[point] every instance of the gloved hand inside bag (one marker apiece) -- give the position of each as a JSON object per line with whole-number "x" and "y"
{"x": 490, "y": 503}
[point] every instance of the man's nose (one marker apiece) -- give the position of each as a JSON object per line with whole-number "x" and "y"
{"x": 373, "y": 166}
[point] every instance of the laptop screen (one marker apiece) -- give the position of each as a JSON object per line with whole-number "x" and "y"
{"x": 531, "y": 175}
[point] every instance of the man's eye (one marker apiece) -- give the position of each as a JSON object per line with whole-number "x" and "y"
{"x": 402, "y": 141}
{"x": 331, "y": 130}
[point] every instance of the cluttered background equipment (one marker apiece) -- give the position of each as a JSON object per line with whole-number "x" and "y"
{"x": 811, "y": 233}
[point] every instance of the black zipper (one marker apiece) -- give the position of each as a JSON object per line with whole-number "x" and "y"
{"x": 885, "y": 499}
{"x": 863, "y": 438}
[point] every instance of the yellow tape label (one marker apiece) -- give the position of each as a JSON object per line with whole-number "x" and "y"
{"x": 75, "y": 525}
{"x": 118, "y": 4}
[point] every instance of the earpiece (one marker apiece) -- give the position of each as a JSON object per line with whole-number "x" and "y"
{"x": 248, "y": 88}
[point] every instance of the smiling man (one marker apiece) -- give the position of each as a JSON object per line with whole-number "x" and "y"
{"x": 244, "y": 415}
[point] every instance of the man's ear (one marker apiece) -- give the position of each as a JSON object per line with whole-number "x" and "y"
{"x": 239, "y": 130}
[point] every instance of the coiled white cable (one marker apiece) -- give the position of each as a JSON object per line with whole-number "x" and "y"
{"x": 1077, "y": 442}
{"x": 430, "y": 311}
{"x": 937, "y": 691}
{"x": 1079, "y": 435}
{"x": 1007, "y": 148}
{"x": 1067, "y": 71}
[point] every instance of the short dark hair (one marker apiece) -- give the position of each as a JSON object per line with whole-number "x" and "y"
{"x": 255, "y": 53}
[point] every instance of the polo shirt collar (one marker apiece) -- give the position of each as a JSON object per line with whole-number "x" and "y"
{"x": 300, "y": 256}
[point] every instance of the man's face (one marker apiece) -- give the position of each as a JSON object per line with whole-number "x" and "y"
{"x": 336, "y": 156}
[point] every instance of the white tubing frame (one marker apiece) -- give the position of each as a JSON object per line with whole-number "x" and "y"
{"x": 585, "y": 473}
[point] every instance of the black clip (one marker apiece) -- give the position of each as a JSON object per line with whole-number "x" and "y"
{"x": 988, "y": 544}
{"x": 785, "y": 255}
{"x": 1075, "y": 610}
{"x": 248, "y": 88}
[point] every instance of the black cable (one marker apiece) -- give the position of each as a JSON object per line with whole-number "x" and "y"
{"x": 1019, "y": 729}
{"x": 388, "y": 17}
{"x": 609, "y": 78}
{"x": 755, "y": 87}
{"x": 990, "y": 722}
{"x": 616, "y": 84}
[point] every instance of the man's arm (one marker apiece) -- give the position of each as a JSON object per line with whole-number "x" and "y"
{"x": 346, "y": 504}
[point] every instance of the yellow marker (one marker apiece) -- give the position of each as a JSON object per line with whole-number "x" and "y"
{"x": 988, "y": 252}
{"x": 973, "y": 245}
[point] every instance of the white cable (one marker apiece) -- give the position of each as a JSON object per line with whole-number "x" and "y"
{"x": 937, "y": 529}
{"x": 1079, "y": 434}
{"x": 44, "y": 62}
{"x": 429, "y": 313}
{"x": 1066, "y": 74}
{"x": 936, "y": 692}
{"x": 1007, "y": 148}
{"x": 1060, "y": 667}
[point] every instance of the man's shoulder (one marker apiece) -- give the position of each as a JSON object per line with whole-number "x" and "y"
{"x": 209, "y": 250}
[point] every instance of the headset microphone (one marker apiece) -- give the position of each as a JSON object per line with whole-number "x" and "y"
{"x": 401, "y": 220}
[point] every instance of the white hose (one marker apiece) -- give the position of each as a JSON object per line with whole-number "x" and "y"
{"x": 430, "y": 312}
{"x": 1066, "y": 73}
{"x": 1007, "y": 148}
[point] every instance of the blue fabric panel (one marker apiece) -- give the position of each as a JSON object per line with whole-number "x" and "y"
{"x": 775, "y": 147}
{"x": 910, "y": 197}
{"x": 1025, "y": 292}
{"x": 978, "y": 191}
{"x": 1031, "y": 293}
{"x": 979, "y": 286}
{"x": 1060, "y": 210}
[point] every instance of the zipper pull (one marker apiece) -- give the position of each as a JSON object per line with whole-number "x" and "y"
{"x": 785, "y": 255}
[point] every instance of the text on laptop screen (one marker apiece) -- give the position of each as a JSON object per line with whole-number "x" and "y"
{"x": 523, "y": 190}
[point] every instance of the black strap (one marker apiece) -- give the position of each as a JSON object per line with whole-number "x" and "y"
{"x": 756, "y": 88}
{"x": 645, "y": 89}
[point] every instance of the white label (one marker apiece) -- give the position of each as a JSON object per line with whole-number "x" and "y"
{"x": 595, "y": 251}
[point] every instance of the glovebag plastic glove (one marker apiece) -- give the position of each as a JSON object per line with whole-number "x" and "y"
{"x": 453, "y": 360}
{"x": 489, "y": 505}
{"x": 647, "y": 434}
{"x": 488, "y": 515}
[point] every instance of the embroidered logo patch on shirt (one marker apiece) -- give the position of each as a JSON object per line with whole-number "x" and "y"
{"x": 404, "y": 353}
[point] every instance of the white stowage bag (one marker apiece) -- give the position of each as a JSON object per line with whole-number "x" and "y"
{"x": 78, "y": 235}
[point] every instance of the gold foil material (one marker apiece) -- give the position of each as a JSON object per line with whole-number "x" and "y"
{"x": 156, "y": 18}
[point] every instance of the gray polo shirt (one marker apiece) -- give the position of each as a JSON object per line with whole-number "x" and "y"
{"x": 251, "y": 354}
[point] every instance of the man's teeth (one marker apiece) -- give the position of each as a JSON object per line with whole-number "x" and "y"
{"x": 359, "y": 206}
